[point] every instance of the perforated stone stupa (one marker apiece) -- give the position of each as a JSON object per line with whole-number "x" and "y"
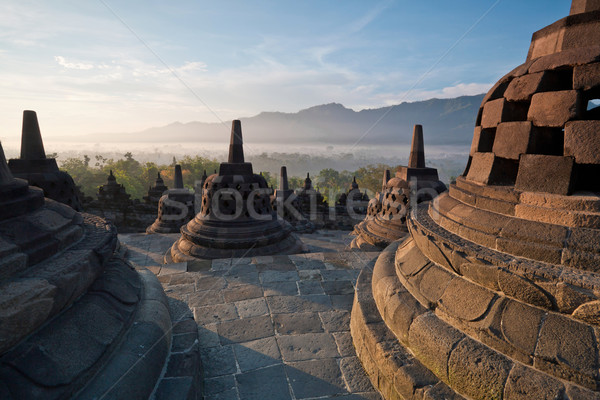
{"x": 73, "y": 314}
{"x": 496, "y": 293}
{"x": 235, "y": 218}
{"x": 175, "y": 208}
{"x": 387, "y": 212}
{"x": 34, "y": 167}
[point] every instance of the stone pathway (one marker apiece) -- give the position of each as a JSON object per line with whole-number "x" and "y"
{"x": 270, "y": 327}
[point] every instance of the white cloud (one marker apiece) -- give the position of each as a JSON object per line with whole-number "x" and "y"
{"x": 70, "y": 65}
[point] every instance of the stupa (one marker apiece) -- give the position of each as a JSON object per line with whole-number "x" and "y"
{"x": 352, "y": 201}
{"x": 235, "y": 218}
{"x": 155, "y": 192}
{"x": 496, "y": 293}
{"x": 175, "y": 208}
{"x": 74, "y": 316}
{"x": 311, "y": 200}
{"x": 34, "y": 167}
{"x": 286, "y": 205}
{"x": 386, "y": 216}
{"x": 113, "y": 194}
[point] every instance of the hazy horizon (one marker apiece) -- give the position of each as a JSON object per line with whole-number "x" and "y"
{"x": 123, "y": 67}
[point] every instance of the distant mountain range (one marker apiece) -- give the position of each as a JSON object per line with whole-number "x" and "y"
{"x": 445, "y": 121}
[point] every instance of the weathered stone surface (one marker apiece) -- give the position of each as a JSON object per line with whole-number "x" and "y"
{"x": 581, "y": 141}
{"x": 563, "y": 350}
{"x": 466, "y": 300}
{"x": 297, "y": 323}
{"x": 497, "y": 111}
{"x": 243, "y": 330}
{"x": 542, "y": 173}
{"x": 255, "y": 384}
{"x": 523, "y": 88}
{"x": 486, "y": 168}
{"x": 520, "y": 288}
{"x": 476, "y": 370}
{"x": 483, "y": 141}
{"x": 525, "y": 383}
{"x": 554, "y": 109}
{"x": 432, "y": 341}
{"x": 586, "y": 77}
{"x": 588, "y": 312}
{"x": 257, "y": 354}
{"x": 521, "y": 326}
{"x": 306, "y": 303}
{"x": 307, "y": 346}
{"x": 315, "y": 378}
{"x": 335, "y": 321}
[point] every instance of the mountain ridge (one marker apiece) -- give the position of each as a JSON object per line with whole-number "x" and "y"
{"x": 445, "y": 122}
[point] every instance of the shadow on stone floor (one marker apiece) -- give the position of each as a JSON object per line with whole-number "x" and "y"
{"x": 255, "y": 370}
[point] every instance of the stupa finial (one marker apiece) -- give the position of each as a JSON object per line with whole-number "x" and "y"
{"x": 283, "y": 179}
{"x": 236, "y": 144}
{"x": 32, "y": 147}
{"x": 178, "y": 177}
{"x": 417, "y": 149}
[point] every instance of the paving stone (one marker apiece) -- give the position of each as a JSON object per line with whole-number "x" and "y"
{"x": 342, "y": 301}
{"x": 218, "y": 361}
{"x": 264, "y": 383}
{"x": 183, "y": 364}
{"x": 182, "y": 279}
{"x": 242, "y": 292}
{"x": 315, "y": 378}
{"x": 210, "y": 282}
{"x": 335, "y": 321}
{"x": 335, "y": 275}
{"x": 307, "y": 346}
{"x": 309, "y": 264}
{"x": 278, "y": 276}
{"x": 275, "y": 267}
{"x": 174, "y": 388}
{"x": 184, "y": 342}
{"x": 354, "y": 375}
{"x": 280, "y": 288}
{"x": 310, "y": 287}
{"x": 344, "y": 343}
{"x": 221, "y": 264}
{"x": 208, "y": 336}
{"x": 310, "y": 274}
{"x": 216, "y": 313}
{"x": 244, "y": 330}
{"x": 205, "y": 298}
{"x": 295, "y": 304}
{"x": 252, "y": 307}
{"x": 220, "y": 384}
{"x": 338, "y": 287}
{"x": 236, "y": 279}
{"x": 257, "y": 354}
{"x": 175, "y": 268}
{"x": 302, "y": 322}
{"x": 199, "y": 265}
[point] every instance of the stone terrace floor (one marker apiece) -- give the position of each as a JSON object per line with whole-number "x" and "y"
{"x": 270, "y": 327}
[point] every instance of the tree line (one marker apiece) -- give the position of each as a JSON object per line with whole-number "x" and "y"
{"x": 137, "y": 177}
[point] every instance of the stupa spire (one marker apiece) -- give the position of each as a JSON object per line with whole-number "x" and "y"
{"x": 283, "y": 179}
{"x": 417, "y": 149}
{"x": 236, "y": 144}
{"x": 5, "y": 175}
{"x": 178, "y": 177}
{"x": 386, "y": 178}
{"x": 32, "y": 147}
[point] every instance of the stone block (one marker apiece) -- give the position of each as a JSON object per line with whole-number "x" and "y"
{"x": 218, "y": 361}
{"x": 243, "y": 330}
{"x": 524, "y": 87}
{"x": 512, "y": 139}
{"x": 477, "y": 371}
{"x": 488, "y": 169}
{"x": 483, "y": 140}
{"x": 582, "y": 141}
{"x": 251, "y": 307}
{"x": 307, "y": 346}
{"x": 256, "y": 354}
{"x": 354, "y": 375}
{"x": 297, "y": 323}
{"x": 432, "y": 340}
{"x": 295, "y": 304}
{"x": 554, "y": 109}
{"x": 315, "y": 378}
{"x": 527, "y": 383}
{"x": 520, "y": 326}
{"x": 465, "y": 300}
{"x": 543, "y": 173}
{"x": 256, "y": 384}
{"x": 497, "y": 111}
{"x": 563, "y": 350}
{"x": 335, "y": 321}
{"x": 523, "y": 289}
{"x": 586, "y": 77}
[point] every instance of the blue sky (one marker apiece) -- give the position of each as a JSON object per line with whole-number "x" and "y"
{"x": 107, "y": 66}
